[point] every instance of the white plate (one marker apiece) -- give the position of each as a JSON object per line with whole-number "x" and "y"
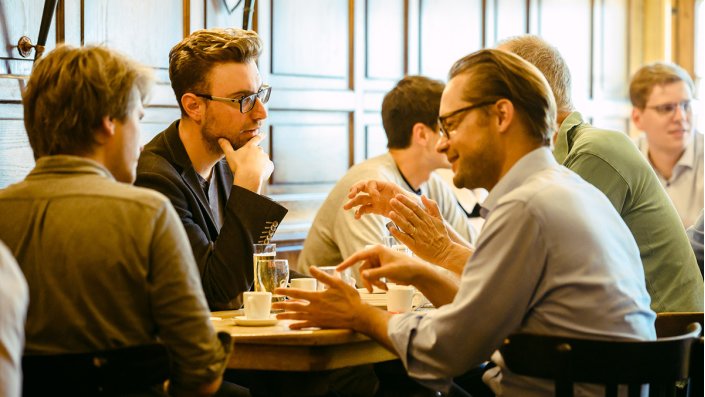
{"x": 248, "y": 322}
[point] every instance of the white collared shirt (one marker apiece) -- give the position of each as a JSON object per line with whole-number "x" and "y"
{"x": 685, "y": 187}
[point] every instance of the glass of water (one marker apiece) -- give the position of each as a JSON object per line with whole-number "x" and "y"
{"x": 273, "y": 273}
{"x": 262, "y": 252}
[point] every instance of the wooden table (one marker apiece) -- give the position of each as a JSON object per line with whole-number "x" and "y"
{"x": 278, "y": 348}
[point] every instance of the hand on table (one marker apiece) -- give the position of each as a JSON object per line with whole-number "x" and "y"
{"x": 336, "y": 307}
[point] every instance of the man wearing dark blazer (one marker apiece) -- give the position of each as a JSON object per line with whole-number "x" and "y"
{"x": 209, "y": 163}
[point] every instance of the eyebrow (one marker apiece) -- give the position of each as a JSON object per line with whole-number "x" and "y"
{"x": 245, "y": 92}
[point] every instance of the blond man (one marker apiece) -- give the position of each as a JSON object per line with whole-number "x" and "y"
{"x": 662, "y": 96}
{"x": 209, "y": 164}
{"x": 108, "y": 265}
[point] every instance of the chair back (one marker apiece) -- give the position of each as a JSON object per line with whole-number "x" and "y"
{"x": 106, "y": 373}
{"x": 660, "y": 363}
{"x": 673, "y": 323}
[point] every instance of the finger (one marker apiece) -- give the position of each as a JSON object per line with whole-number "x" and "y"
{"x": 370, "y": 278}
{"x": 356, "y": 257}
{"x": 356, "y": 188}
{"x": 412, "y": 206}
{"x": 403, "y": 238}
{"x": 302, "y": 324}
{"x": 255, "y": 141}
{"x": 431, "y": 207}
{"x": 225, "y": 145}
{"x": 297, "y": 293}
{"x": 404, "y": 218}
{"x": 291, "y": 306}
{"x": 325, "y": 278}
{"x": 359, "y": 200}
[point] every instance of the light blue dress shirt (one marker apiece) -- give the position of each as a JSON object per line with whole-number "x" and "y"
{"x": 554, "y": 257}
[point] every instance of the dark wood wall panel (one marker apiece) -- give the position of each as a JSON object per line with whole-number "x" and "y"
{"x": 309, "y": 147}
{"x": 306, "y": 44}
{"x": 119, "y": 25}
{"x": 384, "y": 39}
{"x": 449, "y": 30}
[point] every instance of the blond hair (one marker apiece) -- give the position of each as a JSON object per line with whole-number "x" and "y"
{"x": 499, "y": 74}
{"x": 71, "y": 90}
{"x": 191, "y": 60}
{"x": 549, "y": 61}
{"x": 651, "y": 75}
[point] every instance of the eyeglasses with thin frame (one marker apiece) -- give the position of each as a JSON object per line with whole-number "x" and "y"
{"x": 246, "y": 102}
{"x": 445, "y": 129}
{"x": 667, "y": 109}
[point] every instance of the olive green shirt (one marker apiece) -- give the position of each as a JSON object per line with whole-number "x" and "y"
{"x": 610, "y": 161}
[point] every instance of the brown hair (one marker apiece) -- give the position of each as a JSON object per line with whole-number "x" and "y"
{"x": 71, "y": 90}
{"x": 498, "y": 74}
{"x": 415, "y": 99}
{"x": 651, "y": 75}
{"x": 549, "y": 61}
{"x": 191, "y": 60}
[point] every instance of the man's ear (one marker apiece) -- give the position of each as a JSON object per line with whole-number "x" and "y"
{"x": 505, "y": 114}
{"x": 106, "y": 130}
{"x": 193, "y": 106}
{"x": 420, "y": 134}
{"x": 636, "y": 117}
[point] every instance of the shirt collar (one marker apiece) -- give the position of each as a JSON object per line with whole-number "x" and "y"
{"x": 565, "y": 137}
{"x": 67, "y": 165}
{"x": 688, "y": 159}
{"x": 531, "y": 163}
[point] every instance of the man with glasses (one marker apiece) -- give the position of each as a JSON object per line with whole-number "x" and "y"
{"x": 661, "y": 94}
{"x": 409, "y": 114}
{"x": 209, "y": 163}
{"x": 542, "y": 264}
{"x": 611, "y": 162}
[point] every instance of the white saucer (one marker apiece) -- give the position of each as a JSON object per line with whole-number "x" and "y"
{"x": 248, "y": 322}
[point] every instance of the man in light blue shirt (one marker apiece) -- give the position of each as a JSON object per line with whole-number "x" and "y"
{"x": 542, "y": 265}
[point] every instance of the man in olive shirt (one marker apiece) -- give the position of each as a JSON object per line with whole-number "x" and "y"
{"x": 611, "y": 162}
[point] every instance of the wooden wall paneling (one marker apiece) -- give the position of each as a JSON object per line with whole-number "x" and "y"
{"x": 610, "y": 107}
{"x": 306, "y": 146}
{"x": 504, "y": 18}
{"x": 140, "y": 35}
{"x": 220, "y": 15}
{"x": 385, "y": 39}
{"x": 683, "y": 36}
{"x": 449, "y": 30}
{"x": 568, "y": 26}
{"x": 375, "y": 137}
{"x": 308, "y": 51}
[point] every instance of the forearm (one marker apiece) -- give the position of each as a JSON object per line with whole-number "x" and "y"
{"x": 373, "y": 323}
{"x": 455, "y": 258}
{"x": 438, "y": 288}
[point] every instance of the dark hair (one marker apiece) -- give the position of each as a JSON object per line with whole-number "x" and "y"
{"x": 415, "y": 99}
{"x": 499, "y": 74}
{"x": 191, "y": 60}
{"x": 71, "y": 90}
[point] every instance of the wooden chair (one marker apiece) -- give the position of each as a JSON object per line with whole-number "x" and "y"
{"x": 136, "y": 369}
{"x": 673, "y": 323}
{"x": 566, "y": 361}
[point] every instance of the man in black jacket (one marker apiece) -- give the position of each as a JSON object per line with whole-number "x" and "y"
{"x": 209, "y": 163}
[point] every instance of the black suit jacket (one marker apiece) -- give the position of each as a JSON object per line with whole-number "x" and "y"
{"x": 224, "y": 256}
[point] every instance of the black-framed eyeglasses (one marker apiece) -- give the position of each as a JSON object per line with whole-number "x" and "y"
{"x": 443, "y": 120}
{"x": 670, "y": 108}
{"x": 246, "y": 102}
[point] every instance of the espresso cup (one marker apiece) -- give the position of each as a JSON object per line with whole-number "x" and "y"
{"x": 399, "y": 298}
{"x": 257, "y": 305}
{"x": 307, "y": 284}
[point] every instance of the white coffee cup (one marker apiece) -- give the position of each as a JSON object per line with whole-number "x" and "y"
{"x": 307, "y": 284}
{"x": 258, "y": 304}
{"x": 345, "y": 275}
{"x": 399, "y": 298}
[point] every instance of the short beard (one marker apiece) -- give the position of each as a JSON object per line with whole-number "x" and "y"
{"x": 210, "y": 140}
